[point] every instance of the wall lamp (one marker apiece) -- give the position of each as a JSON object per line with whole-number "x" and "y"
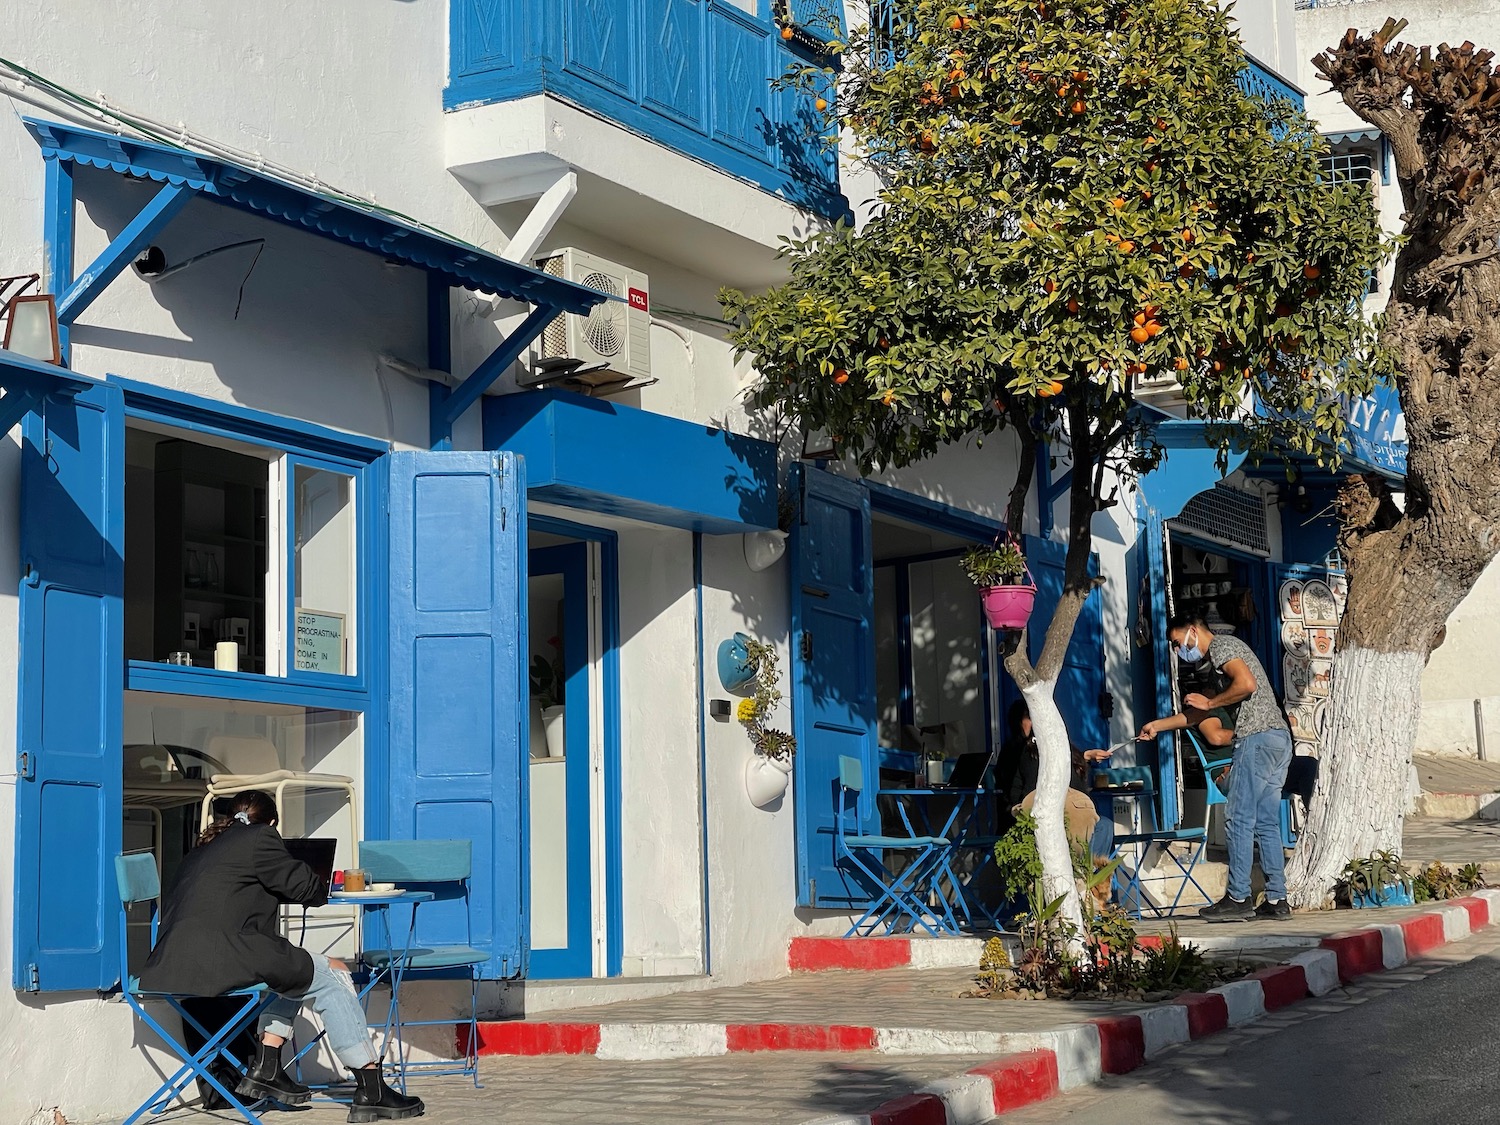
{"x": 30, "y": 319}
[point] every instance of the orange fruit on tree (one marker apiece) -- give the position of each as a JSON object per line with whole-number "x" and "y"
{"x": 956, "y": 23}
{"x": 1187, "y": 235}
{"x": 1151, "y": 311}
{"x": 1126, "y": 246}
{"x": 1140, "y": 319}
{"x": 1139, "y": 335}
{"x": 787, "y": 33}
{"x": 1118, "y": 202}
{"x": 1072, "y": 304}
{"x": 841, "y": 376}
{"x": 1152, "y": 328}
{"x": 1184, "y": 270}
{"x": 1180, "y": 363}
{"x": 1311, "y": 272}
{"x": 821, "y": 104}
{"x": 1050, "y": 389}
{"x": 1049, "y": 286}
{"x": 1080, "y": 76}
{"x": 1078, "y": 107}
{"x": 888, "y": 398}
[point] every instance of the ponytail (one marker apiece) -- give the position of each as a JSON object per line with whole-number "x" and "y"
{"x": 250, "y": 807}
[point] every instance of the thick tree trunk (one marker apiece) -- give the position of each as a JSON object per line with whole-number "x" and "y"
{"x": 1054, "y": 771}
{"x": 1363, "y": 771}
{"x": 1408, "y": 570}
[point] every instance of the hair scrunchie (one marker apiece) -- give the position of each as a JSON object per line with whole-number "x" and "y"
{"x": 243, "y": 817}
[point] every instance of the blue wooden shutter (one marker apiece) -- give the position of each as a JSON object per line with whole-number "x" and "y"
{"x": 1080, "y": 684}
{"x": 69, "y": 786}
{"x": 833, "y": 674}
{"x": 1153, "y": 535}
{"x": 458, "y": 683}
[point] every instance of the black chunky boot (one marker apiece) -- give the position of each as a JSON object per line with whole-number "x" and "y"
{"x": 266, "y": 1079}
{"x": 375, "y": 1101}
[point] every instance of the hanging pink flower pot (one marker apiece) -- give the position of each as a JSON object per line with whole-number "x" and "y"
{"x": 1007, "y": 607}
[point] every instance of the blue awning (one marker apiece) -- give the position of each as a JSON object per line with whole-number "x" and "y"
{"x": 606, "y": 457}
{"x": 338, "y": 217}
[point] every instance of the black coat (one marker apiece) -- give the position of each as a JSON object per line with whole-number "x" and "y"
{"x": 218, "y": 925}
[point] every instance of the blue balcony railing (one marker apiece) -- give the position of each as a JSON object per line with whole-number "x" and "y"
{"x": 693, "y": 75}
{"x": 1260, "y": 81}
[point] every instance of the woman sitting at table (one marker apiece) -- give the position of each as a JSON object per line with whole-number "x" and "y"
{"x": 218, "y": 933}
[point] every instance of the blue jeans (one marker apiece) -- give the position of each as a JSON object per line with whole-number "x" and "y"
{"x": 334, "y": 998}
{"x": 1253, "y": 811}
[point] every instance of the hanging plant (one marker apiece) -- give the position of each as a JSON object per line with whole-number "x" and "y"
{"x": 755, "y": 711}
{"x": 1006, "y": 590}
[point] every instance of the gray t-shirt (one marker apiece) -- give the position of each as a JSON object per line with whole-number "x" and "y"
{"x": 1260, "y": 712}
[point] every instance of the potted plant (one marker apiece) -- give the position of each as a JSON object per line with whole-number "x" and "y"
{"x": 768, "y": 773}
{"x": 1380, "y": 879}
{"x": 936, "y": 759}
{"x": 548, "y": 683}
{"x": 1006, "y": 590}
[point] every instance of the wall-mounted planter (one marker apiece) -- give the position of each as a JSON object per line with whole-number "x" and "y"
{"x": 552, "y": 727}
{"x": 764, "y": 548}
{"x": 766, "y": 779}
{"x": 736, "y": 671}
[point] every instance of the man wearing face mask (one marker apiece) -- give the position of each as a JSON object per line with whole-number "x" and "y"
{"x": 1262, "y": 751}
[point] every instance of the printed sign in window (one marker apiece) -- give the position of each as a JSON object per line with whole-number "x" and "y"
{"x": 319, "y": 641}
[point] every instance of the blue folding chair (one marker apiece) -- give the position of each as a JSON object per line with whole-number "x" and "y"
{"x": 139, "y": 884}
{"x": 1127, "y": 882}
{"x": 897, "y": 897}
{"x": 442, "y": 867}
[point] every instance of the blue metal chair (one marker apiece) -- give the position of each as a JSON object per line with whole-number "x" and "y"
{"x": 897, "y": 897}
{"x": 442, "y": 867}
{"x": 139, "y": 884}
{"x": 1128, "y": 886}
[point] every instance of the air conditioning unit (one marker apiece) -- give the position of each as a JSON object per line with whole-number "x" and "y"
{"x": 612, "y": 344}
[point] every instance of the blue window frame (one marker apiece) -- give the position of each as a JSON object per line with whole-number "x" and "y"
{"x": 69, "y": 805}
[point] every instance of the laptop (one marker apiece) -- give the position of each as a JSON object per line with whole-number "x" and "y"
{"x": 968, "y": 771}
{"x": 317, "y": 852}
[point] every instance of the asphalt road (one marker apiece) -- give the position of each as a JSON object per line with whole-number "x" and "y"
{"x": 1420, "y": 1046}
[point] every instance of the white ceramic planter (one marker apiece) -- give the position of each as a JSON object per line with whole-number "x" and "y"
{"x": 766, "y": 779}
{"x": 552, "y": 725}
{"x": 935, "y": 772}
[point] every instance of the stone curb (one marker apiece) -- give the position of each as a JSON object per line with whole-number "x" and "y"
{"x": 1126, "y": 1042}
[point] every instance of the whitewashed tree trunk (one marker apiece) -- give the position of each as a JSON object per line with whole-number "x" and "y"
{"x": 1363, "y": 768}
{"x": 1054, "y": 770}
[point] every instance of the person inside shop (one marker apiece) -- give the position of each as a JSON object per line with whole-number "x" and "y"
{"x": 1018, "y": 756}
{"x": 218, "y": 932}
{"x": 1262, "y": 750}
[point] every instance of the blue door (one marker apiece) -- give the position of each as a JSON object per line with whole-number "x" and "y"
{"x": 68, "y": 775}
{"x": 1080, "y": 684}
{"x": 458, "y": 691}
{"x": 560, "y": 838}
{"x": 833, "y": 674}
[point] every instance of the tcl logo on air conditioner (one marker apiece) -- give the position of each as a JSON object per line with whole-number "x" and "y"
{"x": 615, "y": 333}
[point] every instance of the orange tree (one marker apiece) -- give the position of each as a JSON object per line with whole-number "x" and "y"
{"x": 1073, "y": 196}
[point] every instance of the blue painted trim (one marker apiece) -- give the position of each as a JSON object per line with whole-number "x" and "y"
{"x": 28, "y": 383}
{"x": 439, "y": 358}
{"x": 708, "y": 941}
{"x": 602, "y": 456}
{"x": 123, "y": 249}
{"x": 609, "y": 614}
{"x": 1048, "y": 490}
{"x": 906, "y": 706}
{"x": 493, "y": 365}
{"x": 209, "y": 416}
{"x": 364, "y": 227}
{"x": 209, "y": 683}
{"x": 575, "y": 959}
{"x": 58, "y": 232}
{"x": 932, "y": 513}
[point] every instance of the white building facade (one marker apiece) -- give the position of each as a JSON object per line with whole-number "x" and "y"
{"x": 322, "y": 422}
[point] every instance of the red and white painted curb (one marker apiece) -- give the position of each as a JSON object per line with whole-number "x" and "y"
{"x": 1082, "y": 1051}
{"x": 1119, "y": 1044}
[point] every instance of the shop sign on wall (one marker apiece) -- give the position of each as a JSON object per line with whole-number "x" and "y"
{"x": 318, "y": 641}
{"x": 1310, "y": 614}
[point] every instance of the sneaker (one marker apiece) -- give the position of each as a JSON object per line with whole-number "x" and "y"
{"x": 1227, "y": 910}
{"x": 1274, "y": 908}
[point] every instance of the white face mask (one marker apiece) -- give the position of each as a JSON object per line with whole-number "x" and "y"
{"x": 1190, "y": 653}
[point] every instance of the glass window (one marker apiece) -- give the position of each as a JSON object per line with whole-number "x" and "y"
{"x": 195, "y": 549}
{"x": 323, "y": 564}
{"x": 176, "y": 744}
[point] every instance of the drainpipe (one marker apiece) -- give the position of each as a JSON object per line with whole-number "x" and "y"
{"x": 1479, "y": 729}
